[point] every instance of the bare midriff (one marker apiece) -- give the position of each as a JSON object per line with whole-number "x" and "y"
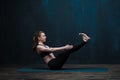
{"x": 47, "y": 58}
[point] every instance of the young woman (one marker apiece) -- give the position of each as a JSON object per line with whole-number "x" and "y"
{"x": 46, "y": 52}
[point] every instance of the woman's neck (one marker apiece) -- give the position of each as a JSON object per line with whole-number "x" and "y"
{"x": 40, "y": 43}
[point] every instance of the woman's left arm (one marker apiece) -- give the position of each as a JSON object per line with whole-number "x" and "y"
{"x": 52, "y": 55}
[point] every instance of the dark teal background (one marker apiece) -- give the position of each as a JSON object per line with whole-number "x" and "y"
{"x": 61, "y": 20}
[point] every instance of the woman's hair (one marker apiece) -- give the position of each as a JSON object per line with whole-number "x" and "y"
{"x": 35, "y": 39}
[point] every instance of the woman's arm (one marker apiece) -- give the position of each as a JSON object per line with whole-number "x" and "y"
{"x": 54, "y": 49}
{"x": 52, "y": 55}
{"x": 66, "y": 47}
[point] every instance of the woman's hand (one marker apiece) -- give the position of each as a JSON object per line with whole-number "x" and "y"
{"x": 67, "y": 47}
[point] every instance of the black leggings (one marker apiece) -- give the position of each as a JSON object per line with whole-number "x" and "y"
{"x": 57, "y": 63}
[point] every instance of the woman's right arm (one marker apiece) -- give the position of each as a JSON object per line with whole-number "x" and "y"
{"x": 54, "y": 49}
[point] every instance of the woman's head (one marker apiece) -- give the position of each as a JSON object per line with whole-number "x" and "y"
{"x": 38, "y": 37}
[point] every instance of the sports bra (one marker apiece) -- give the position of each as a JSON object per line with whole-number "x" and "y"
{"x": 43, "y": 54}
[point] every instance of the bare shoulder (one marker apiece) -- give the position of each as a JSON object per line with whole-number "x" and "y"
{"x": 42, "y": 46}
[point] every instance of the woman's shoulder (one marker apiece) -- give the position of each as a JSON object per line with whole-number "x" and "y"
{"x": 42, "y": 45}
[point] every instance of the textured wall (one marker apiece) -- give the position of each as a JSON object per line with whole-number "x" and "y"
{"x": 62, "y": 20}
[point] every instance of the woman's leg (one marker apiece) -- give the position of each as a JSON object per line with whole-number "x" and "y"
{"x": 58, "y": 62}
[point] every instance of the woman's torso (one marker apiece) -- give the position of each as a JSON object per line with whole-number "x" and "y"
{"x": 45, "y": 55}
{"x": 47, "y": 58}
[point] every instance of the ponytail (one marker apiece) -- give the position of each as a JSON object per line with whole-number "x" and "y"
{"x": 34, "y": 43}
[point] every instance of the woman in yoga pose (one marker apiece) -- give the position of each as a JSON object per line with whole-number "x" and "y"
{"x": 47, "y": 53}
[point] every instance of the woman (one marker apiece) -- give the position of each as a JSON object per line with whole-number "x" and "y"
{"x": 46, "y": 52}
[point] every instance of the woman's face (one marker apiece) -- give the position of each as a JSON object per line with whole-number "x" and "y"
{"x": 42, "y": 37}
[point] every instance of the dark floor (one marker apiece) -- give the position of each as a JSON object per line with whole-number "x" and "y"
{"x": 9, "y": 72}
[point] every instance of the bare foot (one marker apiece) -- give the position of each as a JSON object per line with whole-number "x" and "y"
{"x": 85, "y": 37}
